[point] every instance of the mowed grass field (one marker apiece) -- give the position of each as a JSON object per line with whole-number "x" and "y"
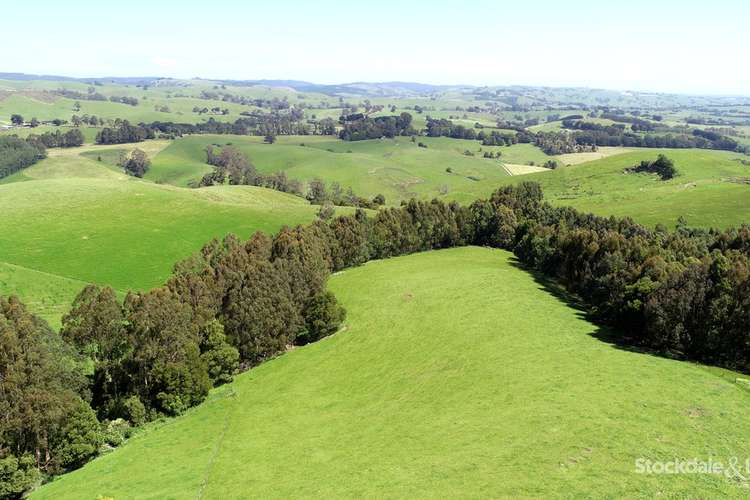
{"x": 440, "y": 388}
{"x": 71, "y": 219}
{"x": 711, "y": 189}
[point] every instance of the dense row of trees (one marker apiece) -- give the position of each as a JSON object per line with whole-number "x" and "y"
{"x": 17, "y": 154}
{"x": 69, "y": 139}
{"x": 123, "y": 132}
{"x": 251, "y": 123}
{"x": 496, "y": 138}
{"x": 558, "y": 143}
{"x": 46, "y": 423}
{"x": 93, "y": 95}
{"x": 587, "y": 133}
{"x": 359, "y": 127}
{"x": 445, "y": 128}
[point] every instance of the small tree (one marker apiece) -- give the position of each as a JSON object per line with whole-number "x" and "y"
{"x": 326, "y": 211}
{"x": 269, "y": 139}
{"x": 221, "y": 358}
{"x": 323, "y": 317}
{"x": 16, "y": 119}
{"x": 79, "y": 439}
{"x": 136, "y": 163}
{"x": 317, "y": 192}
{"x": 34, "y": 122}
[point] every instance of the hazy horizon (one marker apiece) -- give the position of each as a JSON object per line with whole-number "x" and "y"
{"x": 670, "y": 47}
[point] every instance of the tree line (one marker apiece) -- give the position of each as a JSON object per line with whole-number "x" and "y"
{"x": 615, "y": 135}
{"x": 17, "y": 154}
{"x": 93, "y": 95}
{"x": 359, "y": 127}
{"x": 234, "y": 304}
{"x": 69, "y": 139}
{"x": 123, "y": 132}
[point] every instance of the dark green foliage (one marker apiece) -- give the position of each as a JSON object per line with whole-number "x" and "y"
{"x": 446, "y": 128}
{"x": 96, "y": 326}
{"x": 71, "y": 138}
{"x": 662, "y": 166}
{"x": 323, "y": 316}
{"x": 494, "y": 225}
{"x": 17, "y": 154}
{"x": 134, "y": 411}
{"x": 17, "y": 474}
{"x": 165, "y": 367}
{"x": 557, "y": 143}
{"x": 135, "y": 163}
{"x": 79, "y": 439}
{"x": 495, "y": 138}
{"x": 16, "y": 119}
{"x": 221, "y": 358}
{"x": 40, "y": 387}
{"x": 588, "y": 133}
{"x": 124, "y": 132}
{"x": 358, "y": 127}
{"x": 230, "y": 163}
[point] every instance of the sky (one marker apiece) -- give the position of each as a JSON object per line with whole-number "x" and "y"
{"x": 657, "y": 45}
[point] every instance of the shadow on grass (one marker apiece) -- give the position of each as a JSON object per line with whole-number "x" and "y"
{"x": 603, "y": 333}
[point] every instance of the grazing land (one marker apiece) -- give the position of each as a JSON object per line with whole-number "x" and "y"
{"x": 443, "y": 388}
{"x": 710, "y": 190}
{"x": 71, "y": 220}
{"x": 440, "y": 382}
{"x": 396, "y": 168}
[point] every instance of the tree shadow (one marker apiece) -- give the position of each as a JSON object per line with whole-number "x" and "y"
{"x": 604, "y": 333}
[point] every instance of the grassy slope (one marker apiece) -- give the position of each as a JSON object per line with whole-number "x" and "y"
{"x": 74, "y": 219}
{"x": 396, "y": 168}
{"x": 48, "y": 295}
{"x": 129, "y": 233}
{"x": 706, "y": 191}
{"x": 439, "y": 388}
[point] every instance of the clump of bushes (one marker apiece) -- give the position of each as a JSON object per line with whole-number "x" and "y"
{"x": 662, "y": 166}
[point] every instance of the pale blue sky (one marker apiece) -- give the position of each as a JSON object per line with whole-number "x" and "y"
{"x": 680, "y": 46}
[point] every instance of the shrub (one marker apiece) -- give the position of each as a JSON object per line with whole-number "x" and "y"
{"x": 17, "y": 474}
{"x": 222, "y": 359}
{"x": 134, "y": 410}
{"x": 323, "y": 316}
{"x": 79, "y": 439}
{"x": 115, "y": 432}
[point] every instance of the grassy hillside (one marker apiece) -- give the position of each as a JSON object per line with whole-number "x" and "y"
{"x": 711, "y": 189}
{"x": 396, "y": 168}
{"x": 48, "y": 295}
{"x": 440, "y": 388}
{"x": 72, "y": 219}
